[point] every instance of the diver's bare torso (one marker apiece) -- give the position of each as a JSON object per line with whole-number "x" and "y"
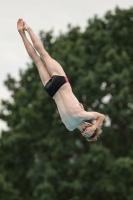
{"x": 69, "y": 107}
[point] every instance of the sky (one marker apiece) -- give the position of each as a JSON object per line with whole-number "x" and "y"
{"x": 41, "y": 15}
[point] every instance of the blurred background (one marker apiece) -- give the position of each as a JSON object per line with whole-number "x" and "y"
{"x": 39, "y": 158}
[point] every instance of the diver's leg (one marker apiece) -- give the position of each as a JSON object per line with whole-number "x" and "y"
{"x": 53, "y": 67}
{"x": 45, "y": 76}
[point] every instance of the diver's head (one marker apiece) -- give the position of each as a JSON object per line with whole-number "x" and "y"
{"x": 89, "y": 133}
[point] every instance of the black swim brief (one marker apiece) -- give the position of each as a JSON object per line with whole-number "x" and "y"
{"x": 53, "y": 85}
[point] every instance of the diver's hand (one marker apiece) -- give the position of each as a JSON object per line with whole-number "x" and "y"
{"x": 90, "y": 130}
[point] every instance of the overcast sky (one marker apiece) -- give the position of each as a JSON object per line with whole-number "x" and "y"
{"x": 41, "y": 15}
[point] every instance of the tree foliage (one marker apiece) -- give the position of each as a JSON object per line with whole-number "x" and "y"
{"x": 42, "y": 160}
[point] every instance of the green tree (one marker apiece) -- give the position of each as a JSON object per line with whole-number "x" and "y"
{"x": 40, "y": 159}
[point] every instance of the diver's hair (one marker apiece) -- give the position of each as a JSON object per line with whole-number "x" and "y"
{"x": 94, "y": 136}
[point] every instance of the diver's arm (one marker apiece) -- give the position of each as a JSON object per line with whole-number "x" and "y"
{"x": 96, "y": 116}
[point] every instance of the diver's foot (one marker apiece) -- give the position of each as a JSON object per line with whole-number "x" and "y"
{"x": 25, "y": 26}
{"x": 20, "y": 25}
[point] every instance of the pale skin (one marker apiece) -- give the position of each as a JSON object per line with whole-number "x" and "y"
{"x": 71, "y": 111}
